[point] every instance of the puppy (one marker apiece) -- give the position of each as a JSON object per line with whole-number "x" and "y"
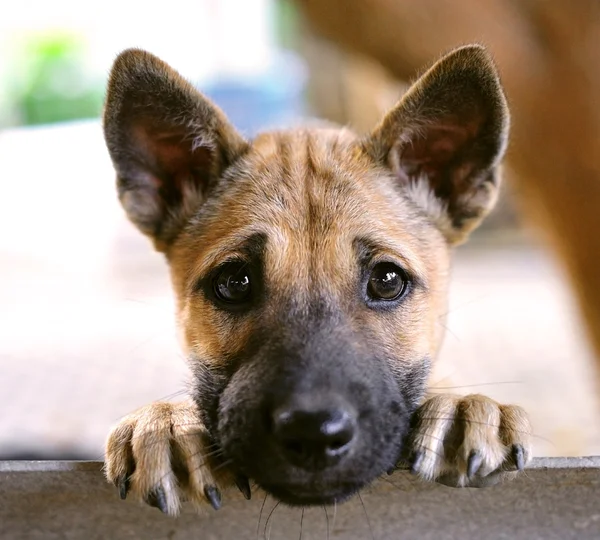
{"x": 310, "y": 268}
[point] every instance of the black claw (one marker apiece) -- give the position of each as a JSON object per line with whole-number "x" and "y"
{"x": 123, "y": 485}
{"x": 518, "y": 456}
{"x": 391, "y": 470}
{"x": 214, "y": 496}
{"x": 243, "y": 485}
{"x": 474, "y": 463}
{"x": 417, "y": 459}
{"x": 157, "y": 499}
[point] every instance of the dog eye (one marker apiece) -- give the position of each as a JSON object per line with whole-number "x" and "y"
{"x": 387, "y": 282}
{"x": 232, "y": 284}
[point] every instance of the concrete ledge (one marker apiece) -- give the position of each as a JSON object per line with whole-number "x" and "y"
{"x": 557, "y": 498}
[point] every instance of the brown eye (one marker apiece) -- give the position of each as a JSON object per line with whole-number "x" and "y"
{"x": 387, "y": 282}
{"x": 232, "y": 284}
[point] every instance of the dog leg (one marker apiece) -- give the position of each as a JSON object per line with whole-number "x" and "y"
{"x": 469, "y": 441}
{"x": 162, "y": 454}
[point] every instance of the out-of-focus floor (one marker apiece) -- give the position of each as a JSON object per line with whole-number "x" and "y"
{"x": 87, "y": 329}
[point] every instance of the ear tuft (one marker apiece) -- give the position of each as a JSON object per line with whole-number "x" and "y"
{"x": 445, "y": 139}
{"x": 168, "y": 143}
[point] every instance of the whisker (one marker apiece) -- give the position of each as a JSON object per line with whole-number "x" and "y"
{"x": 226, "y": 463}
{"x": 530, "y": 478}
{"x": 393, "y": 484}
{"x": 262, "y": 507}
{"x": 438, "y": 454}
{"x": 301, "y": 523}
{"x": 181, "y": 437}
{"x": 169, "y": 397}
{"x": 366, "y": 515}
{"x": 334, "y": 515}
{"x": 497, "y": 426}
{"x": 326, "y": 520}
{"x": 216, "y": 452}
{"x": 199, "y": 466}
{"x": 183, "y": 424}
{"x": 445, "y": 327}
{"x": 434, "y": 384}
{"x": 269, "y": 519}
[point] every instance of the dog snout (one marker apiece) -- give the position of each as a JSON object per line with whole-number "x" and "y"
{"x": 312, "y": 437}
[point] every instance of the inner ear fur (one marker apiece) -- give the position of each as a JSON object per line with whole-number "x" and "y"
{"x": 445, "y": 139}
{"x": 168, "y": 143}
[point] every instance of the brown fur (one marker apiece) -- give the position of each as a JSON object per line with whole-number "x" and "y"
{"x": 316, "y": 208}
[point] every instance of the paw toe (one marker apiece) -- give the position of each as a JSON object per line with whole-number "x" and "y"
{"x": 123, "y": 486}
{"x": 157, "y": 499}
{"x": 474, "y": 463}
{"x": 470, "y": 441}
{"x": 243, "y": 484}
{"x": 213, "y": 496}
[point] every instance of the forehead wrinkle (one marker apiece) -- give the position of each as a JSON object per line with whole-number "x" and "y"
{"x": 277, "y": 247}
{"x": 288, "y": 272}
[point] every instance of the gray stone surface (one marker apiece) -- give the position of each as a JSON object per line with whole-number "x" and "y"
{"x": 556, "y": 499}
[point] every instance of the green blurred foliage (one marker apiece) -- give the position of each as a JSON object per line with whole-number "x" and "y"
{"x": 286, "y": 24}
{"x": 50, "y": 82}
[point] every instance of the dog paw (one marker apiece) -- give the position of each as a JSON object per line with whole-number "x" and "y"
{"x": 469, "y": 441}
{"x": 162, "y": 454}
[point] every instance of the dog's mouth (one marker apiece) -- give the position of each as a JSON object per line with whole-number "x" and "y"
{"x": 311, "y": 456}
{"x": 309, "y": 439}
{"x": 309, "y": 486}
{"x": 321, "y": 459}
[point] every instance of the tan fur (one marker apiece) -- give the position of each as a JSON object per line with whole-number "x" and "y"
{"x": 312, "y": 192}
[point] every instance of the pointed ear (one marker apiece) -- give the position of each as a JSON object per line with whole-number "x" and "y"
{"x": 168, "y": 144}
{"x": 445, "y": 138}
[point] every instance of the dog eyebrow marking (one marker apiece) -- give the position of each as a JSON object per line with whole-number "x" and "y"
{"x": 245, "y": 245}
{"x": 375, "y": 247}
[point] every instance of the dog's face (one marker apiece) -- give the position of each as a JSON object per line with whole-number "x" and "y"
{"x": 310, "y": 266}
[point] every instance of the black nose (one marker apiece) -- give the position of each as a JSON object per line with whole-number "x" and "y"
{"x": 314, "y": 438}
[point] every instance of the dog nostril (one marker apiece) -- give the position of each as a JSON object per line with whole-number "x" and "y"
{"x": 337, "y": 444}
{"x": 314, "y": 439}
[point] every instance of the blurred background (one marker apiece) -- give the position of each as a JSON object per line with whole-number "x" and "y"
{"x": 88, "y": 332}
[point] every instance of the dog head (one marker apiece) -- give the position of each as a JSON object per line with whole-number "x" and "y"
{"x": 310, "y": 266}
